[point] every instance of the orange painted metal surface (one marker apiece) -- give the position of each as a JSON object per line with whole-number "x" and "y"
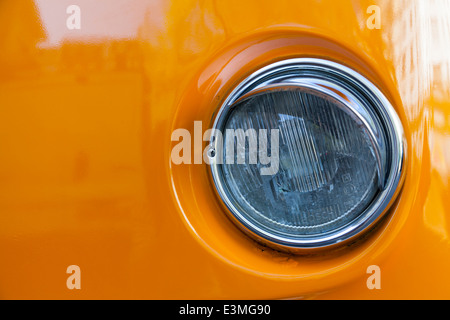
{"x": 85, "y": 141}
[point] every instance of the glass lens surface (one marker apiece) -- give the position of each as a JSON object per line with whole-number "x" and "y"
{"x": 326, "y": 167}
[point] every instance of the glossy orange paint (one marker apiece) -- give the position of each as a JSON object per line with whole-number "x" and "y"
{"x": 85, "y": 140}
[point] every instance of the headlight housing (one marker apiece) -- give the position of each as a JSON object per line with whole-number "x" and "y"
{"x": 338, "y": 159}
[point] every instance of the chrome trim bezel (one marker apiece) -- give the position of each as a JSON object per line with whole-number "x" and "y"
{"x": 364, "y": 100}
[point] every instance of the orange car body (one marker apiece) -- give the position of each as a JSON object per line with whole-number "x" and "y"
{"x": 85, "y": 143}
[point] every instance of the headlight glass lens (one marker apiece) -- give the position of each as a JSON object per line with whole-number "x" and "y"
{"x": 327, "y": 172}
{"x": 338, "y": 155}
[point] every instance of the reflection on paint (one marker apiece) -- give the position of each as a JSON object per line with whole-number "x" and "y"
{"x": 422, "y": 68}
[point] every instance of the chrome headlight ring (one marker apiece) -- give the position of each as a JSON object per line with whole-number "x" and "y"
{"x": 362, "y": 101}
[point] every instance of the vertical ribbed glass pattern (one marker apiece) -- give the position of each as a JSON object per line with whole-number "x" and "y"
{"x": 327, "y": 172}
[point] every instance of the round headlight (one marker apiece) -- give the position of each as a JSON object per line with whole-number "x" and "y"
{"x": 311, "y": 154}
